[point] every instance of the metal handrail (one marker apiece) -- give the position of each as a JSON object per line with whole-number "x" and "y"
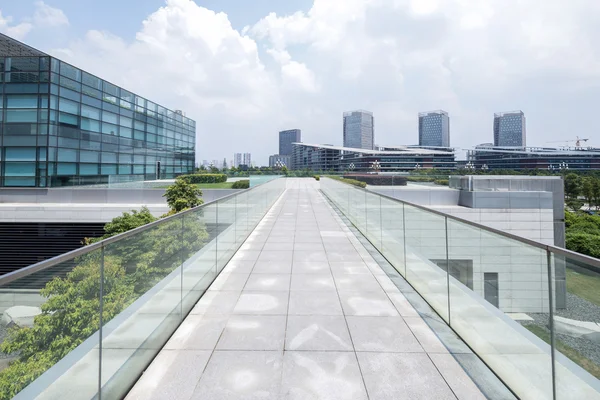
{"x": 42, "y": 265}
{"x": 546, "y": 247}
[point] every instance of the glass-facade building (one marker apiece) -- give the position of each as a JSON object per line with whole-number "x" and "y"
{"x": 359, "y": 129}
{"x": 510, "y": 129}
{"x": 434, "y": 129}
{"x": 61, "y": 126}
{"x": 286, "y": 138}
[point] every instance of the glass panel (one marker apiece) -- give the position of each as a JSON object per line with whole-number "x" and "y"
{"x": 226, "y": 242}
{"x": 109, "y": 117}
{"x": 69, "y": 106}
{"x": 109, "y": 129}
{"x": 70, "y": 72}
{"x": 146, "y": 264}
{"x": 90, "y": 125}
{"x": 108, "y": 169}
{"x": 17, "y": 64}
{"x": 373, "y": 222}
{"x": 20, "y": 154}
{"x": 68, "y": 295}
{"x": 19, "y": 169}
{"x": 21, "y": 116}
{"x": 67, "y": 155}
{"x": 392, "y": 215}
{"x": 22, "y": 101}
{"x": 89, "y": 156}
{"x": 576, "y": 290}
{"x": 91, "y": 80}
{"x": 88, "y": 169}
{"x": 490, "y": 275}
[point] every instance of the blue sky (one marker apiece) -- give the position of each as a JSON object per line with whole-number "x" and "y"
{"x": 264, "y": 66}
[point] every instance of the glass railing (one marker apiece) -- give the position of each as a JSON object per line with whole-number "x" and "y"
{"x": 87, "y": 323}
{"x": 530, "y": 311}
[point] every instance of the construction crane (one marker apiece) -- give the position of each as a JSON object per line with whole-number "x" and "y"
{"x": 577, "y": 141}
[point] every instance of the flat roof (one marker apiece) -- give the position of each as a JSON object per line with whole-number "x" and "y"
{"x": 544, "y": 151}
{"x": 403, "y": 150}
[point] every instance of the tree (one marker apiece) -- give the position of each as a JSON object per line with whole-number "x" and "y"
{"x": 284, "y": 170}
{"x": 572, "y": 185}
{"x": 587, "y": 190}
{"x": 182, "y": 195}
{"x": 595, "y": 191}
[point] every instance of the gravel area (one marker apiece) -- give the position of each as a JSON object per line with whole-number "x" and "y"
{"x": 580, "y": 310}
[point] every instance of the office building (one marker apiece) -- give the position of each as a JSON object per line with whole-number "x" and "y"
{"x": 247, "y": 159}
{"x": 280, "y": 160}
{"x": 523, "y": 158}
{"x": 286, "y": 138}
{"x": 359, "y": 129}
{"x": 63, "y": 126}
{"x": 510, "y": 129}
{"x": 323, "y": 157}
{"x": 434, "y": 129}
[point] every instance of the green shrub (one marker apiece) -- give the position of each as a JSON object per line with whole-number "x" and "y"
{"x": 204, "y": 178}
{"x": 584, "y": 243}
{"x": 317, "y": 177}
{"x": 243, "y": 184}
{"x": 441, "y": 182}
{"x": 349, "y": 181}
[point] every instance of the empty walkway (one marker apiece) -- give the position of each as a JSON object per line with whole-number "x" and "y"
{"x": 302, "y": 311}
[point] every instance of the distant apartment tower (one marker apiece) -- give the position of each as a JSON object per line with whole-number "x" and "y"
{"x": 434, "y": 129}
{"x": 286, "y": 138}
{"x": 510, "y": 129}
{"x": 359, "y": 129}
{"x": 242, "y": 159}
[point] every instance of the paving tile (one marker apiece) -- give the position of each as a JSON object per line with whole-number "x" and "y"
{"x": 273, "y": 267}
{"x": 314, "y": 303}
{"x": 312, "y": 282}
{"x": 253, "y": 332}
{"x": 382, "y": 334}
{"x": 229, "y": 281}
{"x": 402, "y": 305}
{"x": 311, "y": 375}
{"x": 239, "y": 267}
{"x": 357, "y": 283}
{"x": 216, "y": 303}
{"x": 367, "y": 304}
{"x": 317, "y": 333}
{"x": 463, "y": 387}
{"x": 310, "y": 256}
{"x": 286, "y": 246}
{"x": 197, "y": 332}
{"x": 308, "y": 247}
{"x": 410, "y": 376}
{"x": 173, "y": 375}
{"x": 268, "y": 282}
{"x": 310, "y": 268}
{"x": 280, "y": 255}
{"x": 248, "y": 375}
{"x": 262, "y": 303}
{"x": 428, "y": 339}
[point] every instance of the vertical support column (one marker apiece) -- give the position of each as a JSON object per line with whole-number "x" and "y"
{"x": 101, "y": 321}
{"x": 380, "y": 225}
{"x": 551, "y": 321}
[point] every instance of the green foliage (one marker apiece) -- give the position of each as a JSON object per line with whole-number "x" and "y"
{"x": 243, "y": 184}
{"x": 353, "y": 182}
{"x": 317, "y": 177}
{"x": 284, "y": 170}
{"x": 182, "y": 195}
{"x": 132, "y": 266}
{"x": 584, "y": 243}
{"x": 573, "y": 185}
{"x": 443, "y": 182}
{"x": 574, "y": 204}
{"x": 583, "y": 233}
{"x": 203, "y": 178}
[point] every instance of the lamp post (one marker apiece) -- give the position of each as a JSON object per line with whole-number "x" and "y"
{"x": 376, "y": 166}
{"x": 484, "y": 167}
{"x": 563, "y": 166}
{"x": 470, "y": 166}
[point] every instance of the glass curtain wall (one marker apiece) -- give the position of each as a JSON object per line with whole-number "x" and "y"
{"x": 61, "y": 126}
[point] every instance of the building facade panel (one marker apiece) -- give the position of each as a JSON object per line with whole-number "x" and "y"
{"x": 61, "y": 126}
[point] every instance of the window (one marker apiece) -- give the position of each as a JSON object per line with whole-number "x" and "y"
{"x": 20, "y": 154}
{"x": 22, "y": 101}
{"x": 108, "y": 169}
{"x": 18, "y": 64}
{"x": 109, "y": 157}
{"x": 66, "y": 169}
{"x": 89, "y": 156}
{"x": 490, "y": 288}
{"x": 21, "y": 116}
{"x": 70, "y": 94}
{"x": 69, "y": 106}
{"x": 109, "y": 117}
{"x": 90, "y": 125}
{"x": 19, "y": 169}
{"x": 70, "y": 71}
{"x": 68, "y": 119}
{"x": 109, "y": 129}
{"x": 67, "y": 155}
{"x": 88, "y": 169}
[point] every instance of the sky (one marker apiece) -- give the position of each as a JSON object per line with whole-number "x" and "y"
{"x": 246, "y": 69}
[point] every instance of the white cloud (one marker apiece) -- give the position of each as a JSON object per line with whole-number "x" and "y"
{"x": 46, "y": 16}
{"x": 18, "y": 31}
{"x": 393, "y": 57}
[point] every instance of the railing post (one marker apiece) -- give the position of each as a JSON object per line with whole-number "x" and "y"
{"x": 182, "y": 262}
{"x": 447, "y": 267}
{"x": 404, "y": 240}
{"x": 101, "y": 322}
{"x": 217, "y": 238}
{"x": 551, "y": 321}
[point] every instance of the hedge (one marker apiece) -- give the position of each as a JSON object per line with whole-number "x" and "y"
{"x": 317, "y": 177}
{"x": 243, "y": 184}
{"x": 349, "y": 181}
{"x": 204, "y": 178}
